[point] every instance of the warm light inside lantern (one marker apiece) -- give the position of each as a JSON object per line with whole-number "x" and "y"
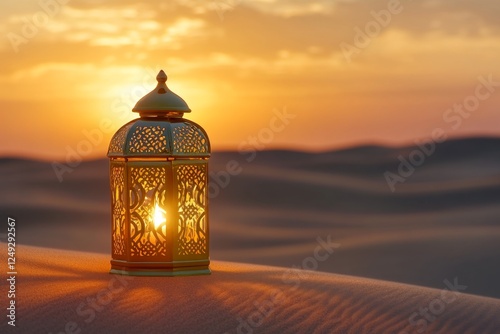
{"x": 159, "y": 216}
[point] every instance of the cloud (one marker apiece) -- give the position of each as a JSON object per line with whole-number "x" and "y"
{"x": 264, "y": 35}
{"x": 250, "y": 28}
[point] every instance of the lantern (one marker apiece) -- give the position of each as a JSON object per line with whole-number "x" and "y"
{"x": 159, "y": 184}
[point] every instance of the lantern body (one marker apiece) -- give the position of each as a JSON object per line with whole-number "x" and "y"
{"x": 159, "y": 197}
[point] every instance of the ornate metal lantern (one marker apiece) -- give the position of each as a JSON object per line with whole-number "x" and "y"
{"x": 159, "y": 183}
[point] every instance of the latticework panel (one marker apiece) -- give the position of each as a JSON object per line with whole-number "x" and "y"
{"x": 187, "y": 138}
{"x": 118, "y": 141}
{"x": 192, "y": 201}
{"x": 118, "y": 210}
{"x": 148, "y": 218}
{"x": 148, "y": 139}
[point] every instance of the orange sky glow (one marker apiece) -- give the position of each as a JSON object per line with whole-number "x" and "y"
{"x": 345, "y": 72}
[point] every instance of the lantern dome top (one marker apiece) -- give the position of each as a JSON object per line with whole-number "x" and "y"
{"x": 161, "y": 101}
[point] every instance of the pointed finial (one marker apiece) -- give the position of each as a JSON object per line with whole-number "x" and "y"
{"x": 161, "y": 101}
{"x": 161, "y": 77}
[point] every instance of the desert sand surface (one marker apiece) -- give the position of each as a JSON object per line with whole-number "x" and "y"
{"x": 441, "y": 223}
{"x": 65, "y": 291}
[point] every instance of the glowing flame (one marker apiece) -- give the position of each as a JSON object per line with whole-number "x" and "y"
{"x": 159, "y": 216}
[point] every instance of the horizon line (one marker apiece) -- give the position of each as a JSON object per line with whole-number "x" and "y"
{"x": 365, "y": 144}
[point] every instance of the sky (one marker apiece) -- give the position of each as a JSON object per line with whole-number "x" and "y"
{"x": 296, "y": 74}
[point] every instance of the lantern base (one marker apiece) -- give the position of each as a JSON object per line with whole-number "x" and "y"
{"x": 176, "y": 268}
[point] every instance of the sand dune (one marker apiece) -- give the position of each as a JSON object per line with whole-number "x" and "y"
{"x": 441, "y": 223}
{"x": 63, "y": 289}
